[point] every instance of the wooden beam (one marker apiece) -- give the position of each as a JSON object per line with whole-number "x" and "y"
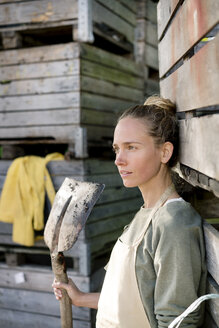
{"x": 85, "y": 23}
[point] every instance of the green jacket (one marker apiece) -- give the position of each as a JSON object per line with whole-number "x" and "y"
{"x": 170, "y": 263}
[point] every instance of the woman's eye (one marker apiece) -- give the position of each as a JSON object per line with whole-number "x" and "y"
{"x": 131, "y": 147}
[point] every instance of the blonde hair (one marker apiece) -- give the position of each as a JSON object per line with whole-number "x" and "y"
{"x": 160, "y": 119}
{"x": 161, "y": 102}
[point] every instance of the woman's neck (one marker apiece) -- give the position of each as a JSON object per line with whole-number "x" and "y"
{"x": 153, "y": 189}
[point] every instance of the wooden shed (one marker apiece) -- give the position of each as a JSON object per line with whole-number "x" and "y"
{"x": 188, "y": 68}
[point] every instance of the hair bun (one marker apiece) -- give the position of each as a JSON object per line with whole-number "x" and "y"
{"x": 163, "y": 103}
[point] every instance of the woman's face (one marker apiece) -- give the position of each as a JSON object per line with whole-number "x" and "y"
{"x": 138, "y": 159}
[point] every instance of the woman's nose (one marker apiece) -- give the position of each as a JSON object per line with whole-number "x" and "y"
{"x": 120, "y": 159}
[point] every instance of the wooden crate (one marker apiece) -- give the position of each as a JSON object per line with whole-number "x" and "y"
{"x": 27, "y": 299}
{"x": 67, "y": 93}
{"x": 188, "y": 67}
{"x": 114, "y": 209}
{"x": 146, "y": 51}
{"x": 34, "y": 302}
{"x": 45, "y": 21}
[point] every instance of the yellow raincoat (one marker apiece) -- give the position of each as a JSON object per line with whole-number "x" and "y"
{"x": 23, "y": 196}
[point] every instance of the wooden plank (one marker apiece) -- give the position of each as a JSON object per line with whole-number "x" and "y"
{"x": 165, "y": 11}
{"x": 197, "y": 77}
{"x": 110, "y": 180}
{"x": 79, "y": 249}
{"x": 40, "y": 54}
{"x": 62, "y": 133}
{"x": 19, "y": 319}
{"x": 196, "y": 135}
{"x": 109, "y": 59}
{"x": 37, "y": 11}
{"x": 117, "y": 194}
{"x": 101, "y": 103}
{"x": 89, "y": 116}
{"x": 212, "y": 246}
{"x": 101, "y": 212}
{"x": 110, "y": 89}
{"x": 114, "y": 223}
{"x": 37, "y": 302}
{"x": 120, "y": 9}
{"x": 67, "y": 84}
{"x": 100, "y": 134}
{"x": 78, "y": 167}
{"x": 40, "y": 117}
{"x": 40, "y": 86}
{"x": 110, "y": 74}
{"x": 192, "y": 22}
{"x": 40, "y": 102}
{"x": 37, "y": 278}
{"x": 103, "y": 16}
{"x": 39, "y": 70}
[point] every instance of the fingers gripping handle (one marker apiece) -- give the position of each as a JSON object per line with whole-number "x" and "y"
{"x": 59, "y": 270}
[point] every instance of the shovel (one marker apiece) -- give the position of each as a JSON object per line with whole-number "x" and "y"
{"x": 70, "y": 210}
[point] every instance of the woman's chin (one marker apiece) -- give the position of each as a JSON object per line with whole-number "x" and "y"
{"x": 129, "y": 184}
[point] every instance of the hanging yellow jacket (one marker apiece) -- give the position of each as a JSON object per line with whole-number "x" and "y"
{"x": 23, "y": 196}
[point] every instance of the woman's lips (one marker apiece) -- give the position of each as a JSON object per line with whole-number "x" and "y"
{"x": 125, "y": 173}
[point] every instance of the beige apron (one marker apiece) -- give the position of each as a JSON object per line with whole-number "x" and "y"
{"x": 120, "y": 304}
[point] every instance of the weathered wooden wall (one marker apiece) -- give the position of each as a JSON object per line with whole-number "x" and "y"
{"x": 188, "y": 68}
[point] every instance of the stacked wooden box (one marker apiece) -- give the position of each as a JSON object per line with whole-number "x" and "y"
{"x": 68, "y": 93}
{"x": 55, "y": 88}
{"x": 42, "y": 21}
{"x": 114, "y": 209}
{"x": 188, "y": 67}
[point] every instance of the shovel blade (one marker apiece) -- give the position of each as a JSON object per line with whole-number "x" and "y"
{"x": 71, "y": 208}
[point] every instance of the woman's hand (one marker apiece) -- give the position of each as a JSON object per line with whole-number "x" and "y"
{"x": 78, "y": 298}
{"x": 73, "y": 292}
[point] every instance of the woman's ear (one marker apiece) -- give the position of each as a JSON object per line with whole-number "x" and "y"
{"x": 166, "y": 153}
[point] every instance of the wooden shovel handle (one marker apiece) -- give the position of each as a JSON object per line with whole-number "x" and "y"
{"x": 59, "y": 270}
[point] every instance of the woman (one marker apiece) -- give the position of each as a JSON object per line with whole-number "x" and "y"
{"x": 157, "y": 267}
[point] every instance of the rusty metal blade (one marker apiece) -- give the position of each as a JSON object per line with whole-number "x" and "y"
{"x": 71, "y": 208}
